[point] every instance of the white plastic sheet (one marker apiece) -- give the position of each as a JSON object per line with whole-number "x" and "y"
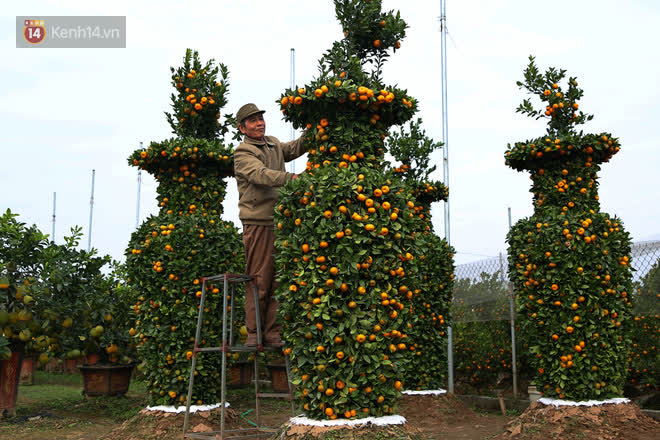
{"x": 179, "y": 409}
{"x": 424, "y": 392}
{"x": 378, "y": 421}
{"x": 559, "y": 402}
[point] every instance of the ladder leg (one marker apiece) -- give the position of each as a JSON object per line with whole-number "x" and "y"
{"x": 288, "y": 379}
{"x": 223, "y": 398}
{"x": 257, "y": 403}
{"x": 231, "y": 316}
{"x": 200, "y": 315}
{"x": 260, "y": 341}
{"x": 223, "y": 380}
{"x": 190, "y": 391}
{"x": 198, "y": 333}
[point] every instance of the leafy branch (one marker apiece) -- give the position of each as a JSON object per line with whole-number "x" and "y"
{"x": 561, "y": 109}
{"x": 413, "y": 148}
{"x": 201, "y": 91}
{"x": 369, "y": 33}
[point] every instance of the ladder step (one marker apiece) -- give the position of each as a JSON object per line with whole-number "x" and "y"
{"x": 242, "y": 348}
{"x": 271, "y": 348}
{"x": 208, "y": 349}
{"x": 239, "y": 348}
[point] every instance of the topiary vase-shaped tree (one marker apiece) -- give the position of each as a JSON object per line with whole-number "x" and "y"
{"x": 570, "y": 262}
{"x": 348, "y": 231}
{"x": 171, "y": 252}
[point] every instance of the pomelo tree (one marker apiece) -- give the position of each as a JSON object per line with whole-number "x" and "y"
{"x": 570, "y": 262}
{"x": 83, "y": 309}
{"x": 55, "y": 300}
{"x": 187, "y": 240}
{"x": 22, "y": 251}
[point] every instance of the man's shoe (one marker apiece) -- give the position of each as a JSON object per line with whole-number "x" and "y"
{"x": 251, "y": 341}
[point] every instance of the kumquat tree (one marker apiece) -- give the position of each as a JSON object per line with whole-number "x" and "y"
{"x": 170, "y": 253}
{"x": 432, "y": 297}
{"x": 480, "y": 314}
{"x": 570, "y": 262}
{"x": 350, "y": 235}
{"x": 644, "y": 368}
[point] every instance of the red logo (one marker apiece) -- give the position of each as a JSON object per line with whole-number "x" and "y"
{"x": 34, "y": 31}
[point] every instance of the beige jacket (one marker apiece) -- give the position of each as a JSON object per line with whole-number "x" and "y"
{"x": 259, "y": 170}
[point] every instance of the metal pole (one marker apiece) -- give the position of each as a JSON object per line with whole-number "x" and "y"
{"x": 445, "y": 172}
{"x": 52, "y": 236}
{"x": 512, "y": 311}
{"x": 445, "y": 125}
{"x": 512, "y": 321}
{"x": 139, "y": 185}
{"x": 293, "y": 84}
{"x": 91, "y": 212}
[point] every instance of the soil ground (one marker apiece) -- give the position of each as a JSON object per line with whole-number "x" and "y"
{"x": 58, "y": 411}
{"x": 429, "y": 417}
{"x": 447, "y": 417}
{"x": 606, "y": 422}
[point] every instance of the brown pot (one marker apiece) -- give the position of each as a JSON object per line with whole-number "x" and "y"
{"x": 278, "y": 377}
{"x": 28, "y": 366}
{"x": 70, "y": 366}
{"x": 56, "y": 366}
{"x": 240, "y": 375}
{"x": 106, "y": 380}
{"x": 92, "y": 359}
{"x": 10, "y": 371}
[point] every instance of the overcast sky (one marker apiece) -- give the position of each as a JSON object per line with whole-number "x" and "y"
{"x": 65, "y": 112}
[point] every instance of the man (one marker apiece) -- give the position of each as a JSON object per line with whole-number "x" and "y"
{"x": 259, "y": 168}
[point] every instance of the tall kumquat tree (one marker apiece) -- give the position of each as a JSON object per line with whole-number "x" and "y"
{"x": 349, "y": 233}
{"x": 432, "y": 296}
{"x": 570, "y": 262}
{"x": 170, "y": 253}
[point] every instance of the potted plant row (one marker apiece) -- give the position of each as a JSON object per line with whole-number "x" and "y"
{"x": 56, "y": 303}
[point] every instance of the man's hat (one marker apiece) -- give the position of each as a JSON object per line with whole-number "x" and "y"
{"x": 246, "y": 111}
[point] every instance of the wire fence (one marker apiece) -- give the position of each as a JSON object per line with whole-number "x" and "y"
{"x": 489, "y": 352}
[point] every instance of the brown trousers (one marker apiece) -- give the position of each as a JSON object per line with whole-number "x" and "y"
{"x": 259, "y": 242}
